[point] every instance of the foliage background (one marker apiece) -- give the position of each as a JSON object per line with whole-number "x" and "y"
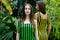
{"x": 7, "y": 21}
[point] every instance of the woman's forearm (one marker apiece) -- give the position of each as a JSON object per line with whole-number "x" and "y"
{"x": 49, "y": 29}
{"x": 36, "y": 35}
{"x": 36, "y": 29}
{"x": 17, "y": 36}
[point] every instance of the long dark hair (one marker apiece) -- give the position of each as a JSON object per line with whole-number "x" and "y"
{"x": 42, "y": 7}
{"x": 24, "y": 15}
{"x": 30, "y": 15}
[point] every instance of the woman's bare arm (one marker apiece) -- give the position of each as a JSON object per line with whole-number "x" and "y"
{"x": 17, "y": 33}
{"x": 36, "y": 30}
{"x": 35, "y": 16}
{"x": 49, "y": 27}
{"x": 17, "y": 36}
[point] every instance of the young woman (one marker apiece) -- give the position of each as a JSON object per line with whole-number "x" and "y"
{"x": 28, "y": 29}
{"x": 43, "y": 20}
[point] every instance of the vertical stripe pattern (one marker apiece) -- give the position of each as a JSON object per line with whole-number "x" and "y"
{"x": 27, "y": 32}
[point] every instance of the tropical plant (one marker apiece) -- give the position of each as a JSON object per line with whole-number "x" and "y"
{"x": 7, "y": 22}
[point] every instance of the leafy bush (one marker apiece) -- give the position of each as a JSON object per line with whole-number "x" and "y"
{"x": 7, "y": 23}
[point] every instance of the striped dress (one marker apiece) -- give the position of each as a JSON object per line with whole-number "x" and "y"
{"x": 27, "y": 32}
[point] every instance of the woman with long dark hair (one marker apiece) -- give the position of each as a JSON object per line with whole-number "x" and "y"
{"x": 42, "y": 20}
{"x": 28, "y": 29}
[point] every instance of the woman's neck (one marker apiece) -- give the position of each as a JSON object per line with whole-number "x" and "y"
{"x": 27, "y": 17}
{"x": 27, "y": 20}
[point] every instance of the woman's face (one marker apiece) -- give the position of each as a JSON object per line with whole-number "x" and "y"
{"x": 37, "y": 6}
{"x": 27, "y": 9}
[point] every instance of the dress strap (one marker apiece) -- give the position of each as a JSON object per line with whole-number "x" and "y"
{"x": 39, "y": 18}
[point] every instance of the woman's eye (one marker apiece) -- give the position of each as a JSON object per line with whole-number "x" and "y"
{"x": 29, "y": 8}
{"x": 25, "y": 8}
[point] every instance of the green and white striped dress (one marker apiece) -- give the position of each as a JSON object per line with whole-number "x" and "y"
{"x": 27, "y": 32}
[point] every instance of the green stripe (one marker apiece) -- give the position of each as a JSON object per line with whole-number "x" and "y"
{"x": 28, "y": 33}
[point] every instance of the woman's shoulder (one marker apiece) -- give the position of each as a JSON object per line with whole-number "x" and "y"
{"x": 35, "y": 21}
{"x": 36, "y": 13}
{"x": 46, "y": 15}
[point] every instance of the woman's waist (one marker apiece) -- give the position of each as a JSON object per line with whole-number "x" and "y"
{"x": 27, "y": 35}
{"x": 42, "y": 30}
